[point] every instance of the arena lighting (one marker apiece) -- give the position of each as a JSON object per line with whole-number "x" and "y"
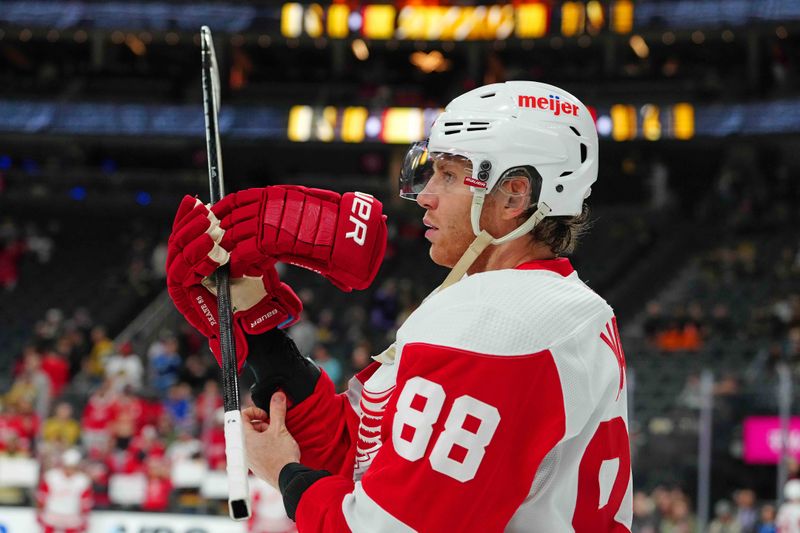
{"x": 430, "y": 62}
{"x": 651, "y": 122}
{"x": 291, "y": 20}
{"x": 595, "y": 17}
{"x": 360, "y": 49}
{"x": 53, "y": 35}
{"x": 728, "y": 36}
{"x": 117, "y": 37}
{"x": 532, "y": 21}
{"x": 312, "y": 21}
{"x": 698, "y": 37}
{"x": 781, "y": 32}
{"x": 604, "y": 125}
{"x": 80, "y": 36}
{"x": 78, "y": 193}
{"x": 573, "y": 18}
{"x": 25, "y": 35}
{"x": 668, "y": 38}
{"x": 379, "y": 20}
{"x": 639, "y": 46}
{"x": 622, "y": 16}
{"x": 337, "y": 21}
{"x": 683, "y": 121}
{"x": 143, "y": 198}
{"x": 135, "y": 44}
{"x": 237, "y": 40}
{"x": 264, "y": 41}
{"x": 172, "y": 38}
{"x": 146, "y": 37}
{"x": 584, "y": 41}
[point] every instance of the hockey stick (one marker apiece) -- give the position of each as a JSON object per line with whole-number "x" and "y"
{"x": 238, "y": 490}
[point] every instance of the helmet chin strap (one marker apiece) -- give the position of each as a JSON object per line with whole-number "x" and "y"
{"x": 482, "y": 241}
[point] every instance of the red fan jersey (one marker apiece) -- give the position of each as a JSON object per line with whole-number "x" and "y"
{"x": 505, "y": 410}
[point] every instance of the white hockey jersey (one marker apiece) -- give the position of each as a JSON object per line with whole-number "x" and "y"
{"x": 505, "y": 410}
{"x": 64, "y": 501}
{"x": 788, "y": 519}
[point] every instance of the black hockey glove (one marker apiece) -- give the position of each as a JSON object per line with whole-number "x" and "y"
{"x": 277, "y": 364}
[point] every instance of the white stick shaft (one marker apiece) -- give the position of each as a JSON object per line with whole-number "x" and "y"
{"x": 238, "y": 488}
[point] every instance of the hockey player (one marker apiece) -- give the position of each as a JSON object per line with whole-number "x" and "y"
{"x": 64, "y": 497}
{"x": 502, "y": 403}
{"x": 788, "y": 519}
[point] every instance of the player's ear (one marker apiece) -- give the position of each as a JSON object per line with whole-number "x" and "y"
{"x": 515, "y": 193}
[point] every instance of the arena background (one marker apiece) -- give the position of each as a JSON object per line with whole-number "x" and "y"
{"x": 694, "y": 242}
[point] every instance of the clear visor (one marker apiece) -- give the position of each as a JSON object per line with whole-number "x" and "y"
{"x": 434, "y": 172}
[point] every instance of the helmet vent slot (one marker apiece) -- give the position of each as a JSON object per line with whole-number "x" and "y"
{"x": 478, "y": 128}
{"x": 575, "y": 131}
{"x": 451, "y": 132}
{"x": 488, "y": 95}
{"x": 450, "y": 124}
{"x": 583, "y": 152}
{"x": 567, "y": 173}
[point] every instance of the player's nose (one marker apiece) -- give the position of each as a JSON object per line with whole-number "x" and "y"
{"x": 427, "y": 199}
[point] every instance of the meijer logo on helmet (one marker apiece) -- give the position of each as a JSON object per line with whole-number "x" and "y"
{"x": 552, "y": 103}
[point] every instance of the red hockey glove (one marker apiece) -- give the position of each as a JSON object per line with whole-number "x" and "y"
{"x": 260, "y": 301}
{"x": 343, "y": 237}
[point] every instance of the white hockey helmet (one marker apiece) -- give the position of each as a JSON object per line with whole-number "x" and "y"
{"x": 791, "y": 491}
{"x": 505, "y": 126}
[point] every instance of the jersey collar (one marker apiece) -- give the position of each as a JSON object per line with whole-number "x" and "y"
{"x": 560, "y": 265}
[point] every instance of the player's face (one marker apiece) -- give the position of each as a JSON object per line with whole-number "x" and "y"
{"x": 447, "y": 202}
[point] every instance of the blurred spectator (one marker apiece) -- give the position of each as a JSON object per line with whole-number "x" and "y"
{"x": 184, "y": 448}
{"x": 32, "y": 384}
{"x": 165, "y": 365}
{"x": 61, "y": 428}
{"x": 690, "y": 396}
{"x": 130, "y": 406}
{"x": 12, "y": 446}
{"x": 10, "y": 254}
{"x": 40, "y": 244}
{"x": 788, "y": 519}
{"x": 644, "y": 518}
{"x": 96, "y": 419}
{"x": 361, "y": 357}
{"x": 383, "y": 313}
{"x": 147, "y": 443}
{"x": 197, "y": 369}
{"x": 180, "y": 407}
{"x": 207, "y": 404}
{"x": 124, "y": 369}
{"x": 766, "y": 523}
{"x": 746, "y": 512}
{"x": 724, "y": 520}
{"x": 679, "y": 518}
{"x": 97, "y": 468}
{"x": 331, "y": 365}
{"x": 214, "y": 441}
{"x": 64, "y": 497}
{"x": 304, "y": 334}
{"x": 158, "y": 261}
{"x": 56, "y": 367}
{"x": 158, "y": 488}
{"x": 102, "y": 347}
